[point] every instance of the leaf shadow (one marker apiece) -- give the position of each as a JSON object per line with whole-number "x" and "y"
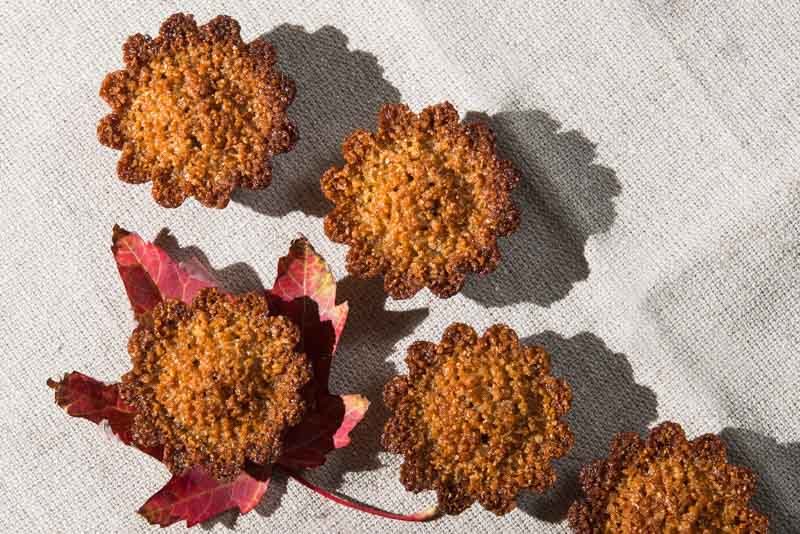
{"x": 563, "y": 197}
{"x": 776, "y": 466}
{"x": 274, "y": 496}
{"x": 227, "y": 519}
{"x": 235, "y": 278}
{"x": 338, "y": 90}
{"x": 605, "y": 400}
{"x": 361, "y": 366}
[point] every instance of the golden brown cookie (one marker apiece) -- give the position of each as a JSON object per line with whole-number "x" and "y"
{"x": 422, "y": 201}
{"x": 216, "y": 383}
{"x": 666, "y": 484}
{"x": 197, "y": 111}
{"x": 477, "y": 418}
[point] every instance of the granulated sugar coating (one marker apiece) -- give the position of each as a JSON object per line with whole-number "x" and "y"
{"x": 666, "y": 484}
{"x": 215, "y": 383}
{"x": 477, "y": 419}
{"x": 422, "y": 201}
{"x": 197, "y": 111}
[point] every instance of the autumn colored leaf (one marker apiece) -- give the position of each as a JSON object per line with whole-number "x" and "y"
{"x": 85, "y": 397}
{"x": 325, "y": 428}
{"x": 150, "y": 275}
{"x": 303, "y": 273}
{"x": 305, "y": 291}
{"x": 196, "y": 497}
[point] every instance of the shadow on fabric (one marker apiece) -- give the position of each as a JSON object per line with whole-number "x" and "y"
{"x": 563, "y": 196}
{"x": 235, "y": 278}
{"x": 273, "y": 498}
{"x": 338, "y": 91}
{"x": 605, "y": 400}
{"x": 777, "y": 467}
{"x": 360, "y": 366}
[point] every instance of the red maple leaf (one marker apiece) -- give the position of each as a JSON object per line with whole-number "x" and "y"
{"x": 150, "y": 275}
{"x": 83, "y": 396}
{"x": 197, "y": 497}
{"x": 304, "y": 291}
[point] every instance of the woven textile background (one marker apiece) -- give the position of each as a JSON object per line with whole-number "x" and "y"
{"x": 658, "y": 259}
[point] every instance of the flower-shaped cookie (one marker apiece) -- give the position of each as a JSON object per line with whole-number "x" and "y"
{"x": 422, "y": 201}
{"x": 477, "y": 418}
{"x": 666, "y": 484}
{"x": 197, "y": 111}
{"x": 216, "y": 383}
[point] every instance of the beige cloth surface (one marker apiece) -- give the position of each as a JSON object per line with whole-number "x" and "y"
{"x": 658, "y": 259}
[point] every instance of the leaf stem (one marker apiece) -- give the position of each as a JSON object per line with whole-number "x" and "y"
{"x": 425, "y": 515}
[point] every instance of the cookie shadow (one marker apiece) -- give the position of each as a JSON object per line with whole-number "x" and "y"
{"x": 338, "y": 90}
{"x": 776, "y": 466}
{"x": 605, "y": 400}
{"x": 235, "y": 278}
{"x": 563, "y": 197}
{"x": 361, "y": 366}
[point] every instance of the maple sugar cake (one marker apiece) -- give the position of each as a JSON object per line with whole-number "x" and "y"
{"x": 215, "y": 383}
{"x": 666, "y": 483}
{"x": 197, "y": 111}
{"x": 422, "y": 201}
{"x": 477, "y": 419}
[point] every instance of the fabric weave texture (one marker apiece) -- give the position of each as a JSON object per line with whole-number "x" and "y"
{"x": 658, "y": 257}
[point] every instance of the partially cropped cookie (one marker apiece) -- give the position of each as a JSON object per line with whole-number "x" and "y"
{"x": 477, "y": 419}
{"x": 215, "y": 383}
{"x": 422, "y": 201}
{"x": 197, "y": 111}
{"x": 666, "y": 483}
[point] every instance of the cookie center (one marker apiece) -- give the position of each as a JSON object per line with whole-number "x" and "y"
{"x": 220, "y": 377}
{"x": 197, "y": 114}
{"x": 675, "y": 494}
{"x": 483, "y": 414}
{"x": 419, "y": 203}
